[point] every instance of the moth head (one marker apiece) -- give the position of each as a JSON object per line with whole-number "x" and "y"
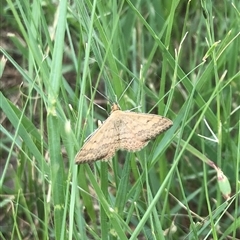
{"x": 114, "y": 107}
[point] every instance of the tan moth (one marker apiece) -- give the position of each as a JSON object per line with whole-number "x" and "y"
{"x": 123, "y": 130}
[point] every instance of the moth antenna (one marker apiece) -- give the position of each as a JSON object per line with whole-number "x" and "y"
{"x": 95, "y": 103}
{"x": 104, "y": 96}
{"x": 126, "y": 89}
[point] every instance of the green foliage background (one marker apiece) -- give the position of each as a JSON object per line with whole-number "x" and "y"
{"x": 180, "y": 59}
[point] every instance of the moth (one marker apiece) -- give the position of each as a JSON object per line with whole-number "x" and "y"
{"x": 122, "y": 130}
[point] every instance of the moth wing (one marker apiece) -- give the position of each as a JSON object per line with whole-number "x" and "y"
{"x": 102, "y": 145}
{"x": 139, "y": 128}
